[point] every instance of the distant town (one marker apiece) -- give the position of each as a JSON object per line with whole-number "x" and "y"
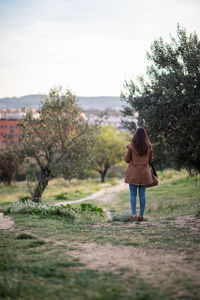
{"x": 108, "y": 107}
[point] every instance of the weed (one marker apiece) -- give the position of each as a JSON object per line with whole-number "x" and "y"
{"x": 34, "y": 244}
{"x": 123, "y": 216}
{"x": 25, "y": 236}
{"x": 61, "y": 196}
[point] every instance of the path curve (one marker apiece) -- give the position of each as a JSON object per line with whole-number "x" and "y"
{"x": 105, "y": 194}
{"x": 5, "y": 222}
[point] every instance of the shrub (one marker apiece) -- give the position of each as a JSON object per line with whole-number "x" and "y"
{"x": 24, "y": 199}
{"x": 9, "y": 165}
{"x": 91, "y": 208}
{"x": 61, "y": 196}
{"x": 86, "y": 211}
{"x": 30, "y": 207}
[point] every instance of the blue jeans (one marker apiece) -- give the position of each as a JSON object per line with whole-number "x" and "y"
{"x": 133, "y": 195}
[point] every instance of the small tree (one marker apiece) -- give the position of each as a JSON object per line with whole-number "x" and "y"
{"x": 59, "y": 139}
{"x": 109, "y": 149}
{"x": 168, "y": 100}
{"x": 9, "y": 165}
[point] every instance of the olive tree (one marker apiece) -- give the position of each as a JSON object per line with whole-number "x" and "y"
{"x": 58, "y": 139}
{"x": 167, "y": 100}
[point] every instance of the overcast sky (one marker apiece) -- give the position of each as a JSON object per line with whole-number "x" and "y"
{"x": 89, "y": 46}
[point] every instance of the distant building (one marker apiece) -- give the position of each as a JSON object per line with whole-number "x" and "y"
{"x": 113, "y": 120}
{"x": 109, "y": 120}
{"x": 9, "y": 121}
{"x": 9, "y": 128}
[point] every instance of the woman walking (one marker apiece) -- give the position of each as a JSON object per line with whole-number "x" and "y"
{"x": 138, "y": 174}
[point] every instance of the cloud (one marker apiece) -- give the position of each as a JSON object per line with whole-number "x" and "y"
{"x": 88, "y": 45}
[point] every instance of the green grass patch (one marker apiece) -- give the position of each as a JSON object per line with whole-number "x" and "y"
{"x": 52, "y": 274}
{"x": 85, "y": 212}
{"x": 38, "y": 269}
{"x": 167, "y": 200}
{"x": 57, "y": 189}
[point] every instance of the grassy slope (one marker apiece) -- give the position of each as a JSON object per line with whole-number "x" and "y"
{"x": 176, "y": 195}
{"x": 72, "y": 190}
{"x": 41, "y": 268}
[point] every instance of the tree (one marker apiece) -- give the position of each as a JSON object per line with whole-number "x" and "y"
{"x": 168, "y": 100}
{"x": 109, "y": 149}
{"x": 58, "y": 140}
{"x": 9, "y": 165}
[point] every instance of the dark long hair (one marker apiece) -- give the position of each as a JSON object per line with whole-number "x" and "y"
{"x": 141, "y": 141}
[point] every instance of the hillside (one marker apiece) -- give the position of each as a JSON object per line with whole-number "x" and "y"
{"x": 100, "y": 103}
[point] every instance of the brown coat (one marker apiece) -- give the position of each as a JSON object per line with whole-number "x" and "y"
{"x": 138, "y": 171}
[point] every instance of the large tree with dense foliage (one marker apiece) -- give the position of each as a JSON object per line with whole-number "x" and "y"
{"x": 167, "y": 100}
{"x": 109, "y": 149}
{"x": 58, "y": 140}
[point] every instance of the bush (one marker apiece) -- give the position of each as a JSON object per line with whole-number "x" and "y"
{"x": 26, "y": 206}
{"x": 86, "y": 211}
{"x": 90, "y": 208}
{"x": 9, "y": 165}
{"x": 24, "y": 199}
{"x": 61, "y": 196}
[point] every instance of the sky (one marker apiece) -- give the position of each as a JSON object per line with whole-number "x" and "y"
{"x": 88, "y": 46}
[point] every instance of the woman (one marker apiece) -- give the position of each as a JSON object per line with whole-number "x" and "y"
{"x": 139, "y": 155}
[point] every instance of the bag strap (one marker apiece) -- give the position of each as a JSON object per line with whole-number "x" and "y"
{"x": 153, "y": 170}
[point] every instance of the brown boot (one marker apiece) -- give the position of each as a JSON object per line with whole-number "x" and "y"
{"x": 140, "y": 218}
{"x": 134, "y": 218}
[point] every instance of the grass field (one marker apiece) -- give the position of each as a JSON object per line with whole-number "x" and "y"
{"x": 176, "y": 195}
{"x": 50, "y": 257}
{"x": 57, "y": 189}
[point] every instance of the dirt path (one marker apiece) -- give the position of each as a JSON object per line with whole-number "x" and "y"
{"x": 104, "y": 195}
{"x": 5, "y": 222}
{"x": 149, "y": 262}
{"x": 157, "y": 264}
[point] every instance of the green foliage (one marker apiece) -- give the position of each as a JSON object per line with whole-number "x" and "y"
{"x": 24, "y": 199}
{"x": 109, "y": 149}
{"x": 91, "y": 208}
{"x": 9, "y": 165}
{"x": 61, "y": 196}
{"x": 168, "y": 101}
{"x": 67, "y": 211}
{"x": 58, "y": 140}
{"x": 44, "y": 210}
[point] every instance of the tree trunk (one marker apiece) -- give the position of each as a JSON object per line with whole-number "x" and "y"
{"x": 41, "y": 185}
{"x": 103, "y": 173}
